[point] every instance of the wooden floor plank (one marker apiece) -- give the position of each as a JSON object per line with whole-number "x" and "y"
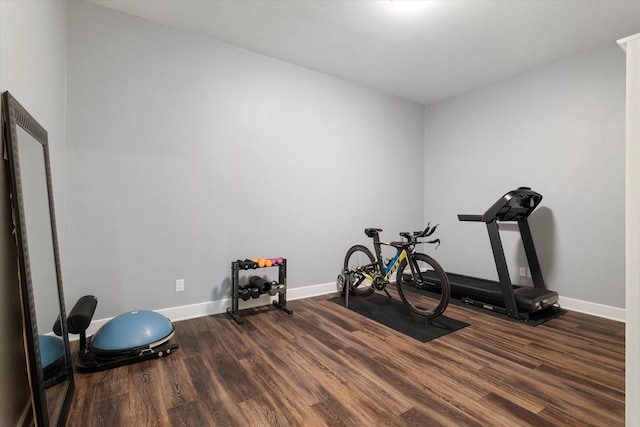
{"x": 190, "y": 414}
{"x": 214, "y": 397}
{"x": 146, "y": 400}
{"x": 278, "y": 392}
{"x": 326, "y": 365}
{"x": 177, "y": 387}
{"x": 516, "y": 414}
{"x": 112, "y": 411}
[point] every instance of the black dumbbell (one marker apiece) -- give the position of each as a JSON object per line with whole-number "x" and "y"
{"x": 247, "y": 264}
{"x": 244, "y": 293}
{"x": 259, "y": 283}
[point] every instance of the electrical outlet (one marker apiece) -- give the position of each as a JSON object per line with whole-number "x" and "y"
{"x": 180, "y": 285}
{"x": 523, "y": 272}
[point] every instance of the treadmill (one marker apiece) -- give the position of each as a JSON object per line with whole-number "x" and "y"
{"x": 534, "y": 304}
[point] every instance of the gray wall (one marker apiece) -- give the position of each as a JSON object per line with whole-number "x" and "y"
{"x": 558, "y": 129}
{"x": 185, "y": 153}
{"x": 32, "y": 68}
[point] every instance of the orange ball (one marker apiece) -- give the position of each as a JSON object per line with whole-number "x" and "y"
{"x": 268, "y": 263}
{"x": 261, "y": 262}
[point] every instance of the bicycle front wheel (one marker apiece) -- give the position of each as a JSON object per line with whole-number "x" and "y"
{"x": 423, "y": 285}
{"x": 358, "y": 260}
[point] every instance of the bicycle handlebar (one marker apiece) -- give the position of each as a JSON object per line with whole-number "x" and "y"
{"x": 428, "y": 231}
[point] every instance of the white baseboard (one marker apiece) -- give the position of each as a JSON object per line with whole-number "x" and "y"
{"x": 594, "y": 309}
{"x": 210, "y": 308}
{"x": 311, "y": 291}
{"x": 192, "y": 311}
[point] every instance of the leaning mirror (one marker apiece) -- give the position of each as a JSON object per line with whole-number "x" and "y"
{"x": 46, "y": 341}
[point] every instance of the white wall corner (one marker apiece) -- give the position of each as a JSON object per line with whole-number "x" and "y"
{"x": 623, "y": 42}
{"x": 631, "y": 46}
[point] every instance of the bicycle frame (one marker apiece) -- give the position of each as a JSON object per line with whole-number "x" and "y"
{"x": 364, "y": 273}
{"x": 387, "y": 271}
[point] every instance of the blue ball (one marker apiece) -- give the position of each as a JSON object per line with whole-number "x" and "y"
{"x": 51, "y": 349}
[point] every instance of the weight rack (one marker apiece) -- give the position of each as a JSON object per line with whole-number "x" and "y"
{"x": 281, "y": 303}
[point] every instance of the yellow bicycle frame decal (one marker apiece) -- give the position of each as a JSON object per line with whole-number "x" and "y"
{"x": 390, "y": 270}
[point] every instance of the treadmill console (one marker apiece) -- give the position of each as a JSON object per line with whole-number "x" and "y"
{"x": 513, "y": 206}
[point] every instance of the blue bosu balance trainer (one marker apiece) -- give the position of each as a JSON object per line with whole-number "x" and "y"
{"x": 52, "y": 358}
{"x": 127, "y": 338}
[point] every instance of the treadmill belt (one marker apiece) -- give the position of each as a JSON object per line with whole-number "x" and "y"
{"x": 471, "y": 287}
{"x": 490, "y": 292}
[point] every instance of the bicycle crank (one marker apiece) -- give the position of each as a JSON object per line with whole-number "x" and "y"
{"x": 378, "y": 282}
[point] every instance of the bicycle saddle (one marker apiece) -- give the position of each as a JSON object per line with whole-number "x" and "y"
{"x": 370, "y": 232}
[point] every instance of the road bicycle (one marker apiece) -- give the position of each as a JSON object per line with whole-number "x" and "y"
{"x": 421, "y": 281}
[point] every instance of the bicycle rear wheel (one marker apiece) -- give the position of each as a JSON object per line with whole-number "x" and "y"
{"x": 423, "y": 286}
{"x": 359, "y": 259}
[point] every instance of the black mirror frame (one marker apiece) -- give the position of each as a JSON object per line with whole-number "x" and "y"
{"x": 14, "y": 115}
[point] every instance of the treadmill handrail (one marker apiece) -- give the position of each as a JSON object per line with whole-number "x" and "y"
{"x": 465, "y": 217}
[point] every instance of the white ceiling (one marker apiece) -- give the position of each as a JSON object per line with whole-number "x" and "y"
{"x": 441, "y": 50}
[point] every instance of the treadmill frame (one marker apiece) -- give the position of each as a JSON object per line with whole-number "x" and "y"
{"x": 501, "y": 263}
{"x": 501, "y": 212}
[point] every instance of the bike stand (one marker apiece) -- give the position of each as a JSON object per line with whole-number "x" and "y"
{"x": 419, "y": 319}
{"x": 346, "y": 287}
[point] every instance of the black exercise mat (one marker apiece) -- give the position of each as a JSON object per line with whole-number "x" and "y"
{"x": 396, "y": 315}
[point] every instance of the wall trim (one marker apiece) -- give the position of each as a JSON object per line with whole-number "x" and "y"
{"x": 210, "y": 308}
{"x": 193, "y": 311}
{"x": 594, "y": 309}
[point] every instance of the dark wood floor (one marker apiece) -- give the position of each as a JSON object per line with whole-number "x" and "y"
{"x": 325, "y": 365}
